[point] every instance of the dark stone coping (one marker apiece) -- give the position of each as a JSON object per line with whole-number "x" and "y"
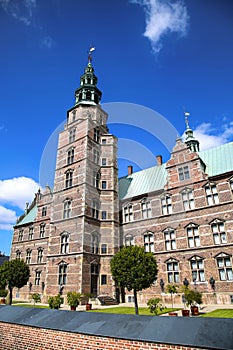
{"x": 207, "y": 333}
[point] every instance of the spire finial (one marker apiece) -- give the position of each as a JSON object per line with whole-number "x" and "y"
{"x": 187, "y": 114}
{"x": 90, "y": 53}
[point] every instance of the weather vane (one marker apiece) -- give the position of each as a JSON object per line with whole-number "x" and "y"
{"x": 90, "y": 54}
{"x": 187, "y": 114}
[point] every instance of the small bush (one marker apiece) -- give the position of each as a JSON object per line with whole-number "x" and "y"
{"x": 36, "y": 298}
{"x": 55, "y": 301}
{"x": 3, "y": 293}
{"x": 155, "y": 306}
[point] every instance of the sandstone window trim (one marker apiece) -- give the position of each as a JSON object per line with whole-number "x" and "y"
{"x": 146, "y": 211}
{"x": 70, "y": 156}
{"x": 64, "y": 243}
{"x": 40, "y": 252}
{"x": 129, "y": 240}
{"x": 20, "y": 235}
{"x": 197, "y": 269}
{"x": 42, "y": 230}
{"x": 148, "y": 238}
{"x": 31, "y": 233}
{"x": 169, "y": 239}
{"x": 188, "y": 199}
{"x": 211, "y": 193}
{"x": 62, "y": 273}
{"x": 173, "y": 273}
{"x": 224, "y": 265}
{"x": 72, "y": 135}
{"x": 183, "y": 173}
{"x": 166, "y": 204}
{"x": 18, "y": 254}
{"x": 69, "y": 178}
{"x": 37, "y": 277}
{"x": 193, "y": 235}
{"x": 44, "y": 211}
{"x": 67, "y": 208}
{"x": 128, "y": 213}
{"x": 218, "y": 231}
{"x": 28, "y": 256}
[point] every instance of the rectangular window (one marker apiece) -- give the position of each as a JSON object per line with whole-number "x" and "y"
{"x": 96, "y": 156}
{"x": 146, "y": 210}
{"x": 172, "y": 272}
{"x": 129, "y": 240}
{"x": 40, "y": 256}
{"x": 28, "y": 256}
{"x": 219, "y": 234}
{"x": 67, "y": 210}
{"x": 96, "y": 134}
{"x": 95, "y": 209}
{"x": 72, "y": 135}
{"x": 42, "y": 230}
{"x": 211, "y": 194}
{"x": 170, "y": 239}
{"x": 18, "y": 254}
{"x": 188, "y": 200}
{"x": 197, "y": 269}
{"x": 64, "y": 244}
{"x": 104, "y": 141}
{"x": 104, "y": 161}
{"x": 103, "y": 279}
{"x": 44, "y": 211}
{"x": 104, "y": 248}
{"x": 166, "y": 203}
{"x": 69, "y": 179}
{"x": 225, "y": 268}
{"x": 149, "y": 242}
{"x": 183, "y": 173}
{"x": 30, "y": 235}
{"x": 128, "y": 213}
{"x": 104, "y": 185}
{"x": 193, "y": 236}
{"x": 20, "y": 236}
{"x": 104, "y": 215}
{"x": 37, "y": 278}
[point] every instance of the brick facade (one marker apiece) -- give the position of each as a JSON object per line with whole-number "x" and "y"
{"x": 81, "y": 223}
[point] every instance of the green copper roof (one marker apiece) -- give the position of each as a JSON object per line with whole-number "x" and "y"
{"x": 29, "y": 217}
{"x": 218, "y": 160}
{"x": 144, "y": 181}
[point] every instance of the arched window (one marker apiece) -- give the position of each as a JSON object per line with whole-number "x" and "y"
{"x": 72, "y": 133}
{"x": 193, "y": 235}
{"x": 40, "y": 255}
{"x": 64, "y": 243}
{"x": 211, "y": 194}
{"x": 62, "y": 274}
{"x": 173, "y": 275}
{"x": 224, "y": 263}
{"x": 69, "y": 179}
{"x": 95, "y": 209}
{"x": 70, "y": 156}
{"x": 218, "y": 230}
{"x": 42, "y": 230}
{"x": 197, "y": 269}
{"x": 187, "y": 199}
{"x": 67, "y": 209}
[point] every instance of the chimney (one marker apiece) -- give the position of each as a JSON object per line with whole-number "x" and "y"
{"x": 159, "y": 160}
{"x": 130, "y": 170}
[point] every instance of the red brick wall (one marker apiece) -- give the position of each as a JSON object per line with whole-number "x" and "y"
{"x": 15, "y": 337}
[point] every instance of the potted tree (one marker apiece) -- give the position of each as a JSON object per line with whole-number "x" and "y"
{"x": 73, "y": 300}
{"x": 193, "y": 299}
{"x": 155, "y": 306}
{"x": 36, "y": 298}
{"x": 3, "y": 294}
{"x": 172, "y": 289}
{"x": 86, "y": 298}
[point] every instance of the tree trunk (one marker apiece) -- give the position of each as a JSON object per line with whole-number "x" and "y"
{"x": 135, "y": 301}
{"x": 10, "y": 298}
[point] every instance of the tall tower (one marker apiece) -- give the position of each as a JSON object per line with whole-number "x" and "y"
{"x": 84, "y": 231}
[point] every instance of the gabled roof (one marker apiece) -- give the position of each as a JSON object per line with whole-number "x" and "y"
{"x": 218, "y": 160}
{"x": 29, "y": 217}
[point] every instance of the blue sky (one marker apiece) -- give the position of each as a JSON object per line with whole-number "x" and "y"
{"x": 168, "y": 56}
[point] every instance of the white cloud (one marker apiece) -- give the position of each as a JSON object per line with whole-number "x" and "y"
{"x": 163, "y": 17}
{"x": 7, "y": 218}
{"x": 20, "y": 10}
{"x": 47, "y": 42}
{"x": 18, "y": 191}
{"x": 210, "y": 137}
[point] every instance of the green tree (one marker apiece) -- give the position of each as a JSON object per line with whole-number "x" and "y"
{"x": 36, "y": 298}
{"x": 134, "y": 269}
{"x": 155, "y": 306}
{"x": 14, "y": 273}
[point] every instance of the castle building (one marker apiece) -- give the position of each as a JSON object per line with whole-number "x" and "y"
{"x": 181, "y": 210}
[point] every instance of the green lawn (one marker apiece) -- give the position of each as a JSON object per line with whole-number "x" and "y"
{"x": 131, "y": 311}
{"x": 221, "y": 313}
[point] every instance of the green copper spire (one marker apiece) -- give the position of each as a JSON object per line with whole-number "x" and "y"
{"x": 88, "y": 93}
{"x": 190, "y": 140}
